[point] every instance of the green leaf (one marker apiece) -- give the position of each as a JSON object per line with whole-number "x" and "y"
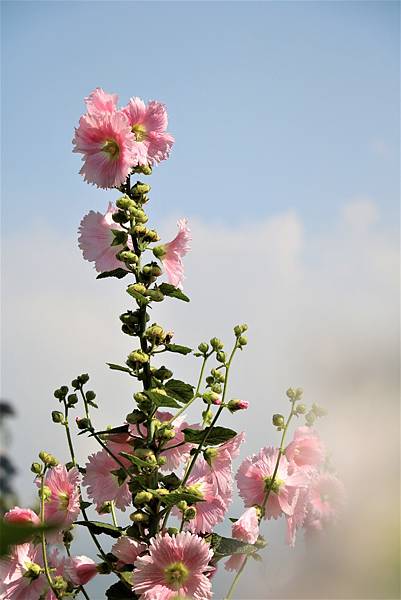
{"x": 179, "y": 349}
{"x": 171, "y": 481}
{"x": 111, "y": 431}
{"x": 17, "y": 533}
{"x": 120, "y": 591}
{"x": 174, "y": 497}
{"x": 169, "y": 290}
{"x": 217, "y": 435}
{"x": 183, "y": 392}
{"x": 223, "y": 546}
{"x": 137, "y": 295}
{"x": 97, "y": 527}
{"x": 161, "y": 399}
{"x": 119, "y": 273}
{"x": 135, "y": 460}
{"x": 114, "y": 367}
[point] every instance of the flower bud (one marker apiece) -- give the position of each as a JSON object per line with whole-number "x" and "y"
{"x": 136, "y": 288}
{"x": 59, "y": 583}
{"x": 162, "y": 492}
{"x": 216, "y": 344}
{"x": 300, "y": 409}
{"x": 83, "y": 423}
{"x": 190, "y": 513}
{"x": 209, "y": 454}
{"x": 63, "y": 391}
{"x": 162, "y": 373}
{"x": 128, "y": 257}
{"x": 140, "y": 188}
{"x": 68, "y": 537}
{"x": 138, "y": 356}
{"x": 48, "y": 459}
{"x": 212, "y": 398}
{"x": 242, "y": 340}
{"x": 172, "y": 530}
{"x": 310, "y": 418}
{"x": 139, "y": 517}
{"x": 207, "y": 416}
{"x": 217, "y": 389}
{"x": 72, "y": 399}
{"x": 182, "y": 505}
{"x": 119, "y": 217}
{"x": 167, "y": 433}
{"x": 143, "y": 497}
{"x": 36, "y": 468}
{"x": 90, "y": 395}
{"x": 235, "y": 405}
{"x": 161, "y": 461}
{"x": 203, "y": 347}
{"x": 221, "y": 356}
{"x": 57, "y": 417}
{"x": 146, "y": 454}
{"x": 155, "y": 333}
{"x": 124, "y": 203}
{"x": 84, "y": 378}
{"x": 159, "y": 251}
{"x": 152, "y": 235}
{"x": 278, "y": 420}
{"x": 290, "y": 393}
{"x": 218, "y": 375}
{"x": 155, "y": 295}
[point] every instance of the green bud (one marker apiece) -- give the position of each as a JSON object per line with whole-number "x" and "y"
{"x": 72, "y": 399}
{"x": 211, "y": 398}
{"x": 207, "y": 416}
{"x": 290, "y": 393}
{"x": 136, "y": 416}
{"x": 152, "y": 235}
{"x": 167, "y": 433}
{"x": 155, "y": 333}
{"x": 140, "y": 230}
{"x": 141, "y": 217}
{"x": 299, "y": 393}
{"x": 203, "y": 347}
{"x": 239, "y": 329}
{"x": 161, "y": 461}
{"x": 182, "y": 505}
{"x": 84, "y": 378}
{"x": 146, "y": 454}
{"x": 190, "y": 513}
{"x": 143, "y": 497}
{"x": 124, "y": 203}
{"x": 63, "y": 390}
{"x": 242, "y": 340}
{"x": 83, "y": 423}
{"x": 162, "y": 373}
{"x": 159, "y": 252}
{"x": 218, "y": 375}
{"x": 138, "y": 356}
{"x": 48, "y": 459}
{"x": 139, "y": 288}
{"x": 59, "y": 583}
{"x": 57, "y": 394}
{"x": 57, "y": 417}
{"x": 139, "y": 517}
{"x": 75, "y": 384}
{"x": 90, "y": 395}
{"x": 172, "y": 530}
{"x": 300, "y": 409}
{"x": 33, "y": 570}
{"x": 216, "y": 388}
{"x": 140, "y": 188}
{"x": 155, "y": 295}
{"x": 216, "y": 344}
{"x": 128, "y": 257}
{"x": 221, "y": 356}
{"x": 278, "y": 420}
{"x": 36, "y": 468}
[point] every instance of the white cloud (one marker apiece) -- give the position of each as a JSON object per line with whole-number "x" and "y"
{"x": 322, "y": 310}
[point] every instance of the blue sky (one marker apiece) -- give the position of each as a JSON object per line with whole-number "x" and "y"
{"x": 273, "y": 105}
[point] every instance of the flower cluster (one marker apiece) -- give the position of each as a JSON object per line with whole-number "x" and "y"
{"x": 171, "y": 479}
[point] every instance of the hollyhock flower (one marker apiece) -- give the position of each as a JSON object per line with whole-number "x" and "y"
{"x": 254, "y": 479}
{"x": 127, "y": 550}
{"x": 299, "y": 503}
{"x": 306, "y": 449}
{"x": 22, "y": 515}
{"x": 246, "y": 528}
{"x": 171, "y": 253}
{"x": 100, "y": 101}
{"x": 80, "y": 569}
{"x": 326, "y": 496}
{"x": 235, "y": 562}
{"x": 107, "y": 144}
{"x": 175, "y": 567}
{"x": 95, "y": 238}
{"x": 63, "y": 505}
{"x": 20, "y": 577}
{"x": 212, "y": 509}
{"x": 103, "y": 485}
{"x": 218, "y": 466}
{"x": 149, "y": 124}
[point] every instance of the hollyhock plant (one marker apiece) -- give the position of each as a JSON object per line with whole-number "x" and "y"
{"x": 171, "y": 480}
{"x": 175, "y": 567}
{"x": 148, "y": 124}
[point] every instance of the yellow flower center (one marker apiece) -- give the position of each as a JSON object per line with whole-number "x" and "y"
{"x": 176, "y": 574}
{"x": 63, "y": 500}
{"x": 112, "y": 149}
{"x": 276, "y": 484}
{"x": 139, "y": 131}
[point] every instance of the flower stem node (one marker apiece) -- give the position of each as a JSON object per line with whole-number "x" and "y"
{"x": 278, "y": 420}
{"x": 216, "y": 344}
{"x": 143, "y": 498}
{"x": 236, "y": 405}
{"x": 57, "y": 417}
{"x": 48, "y": 459}
{"x": 139, "y": 517}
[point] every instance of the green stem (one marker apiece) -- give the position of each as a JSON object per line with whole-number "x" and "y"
{"x": 196, "y": 395}
{"x": 113, "y": 513}
{"x": 235, "y": 580}
{"x": 43, "y": 537}
{"x": 68, "y": 433}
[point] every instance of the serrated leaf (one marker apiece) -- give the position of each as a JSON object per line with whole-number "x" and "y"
{"x": 115, "y": 367}
{"x": 179, "y": 349}
{"x": 135, "y": 460}
{"x": 217, "y": 435}
{"x": 120, "y": 591}
{"x": 113, "y": 430}
{"x": 161, "y": 399}
{"x": 97, "y": 527}
{"x": 183, "y": 392}
{"x": 119, "y": 273}
{"x": 169, "y": 290}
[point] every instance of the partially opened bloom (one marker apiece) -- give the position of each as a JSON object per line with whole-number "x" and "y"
{"x": 22, "y": 515}
{"x": 171, "y": 253}
{"x": 107, "y": 145}
{"x": 127, "y": 550}
{"x": 103, "y": 485}
{"x": 306, "y": 449}
{"x": 149, "y": 124}
{"x": 218, "y": 466}
{"x": 80, "y": 569}
{"x": 63, "y": 505}
{"x": 254, "y": 478}
{"x": 326, "y": 496}
{"x": 246, "y": 528}
{"x": 20, "y": 574}
{"x": 174, "y": 568}
{"x": 100, "y": 101}
{"x": 96, "y": 237}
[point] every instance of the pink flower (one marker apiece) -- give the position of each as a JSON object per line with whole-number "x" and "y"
{"x": 107, "y": 144}
{"x": 235, "y": 405}
{"x": 327, "y": 496}
{"x": 296, "y": 520}
{"x": 254, "y": 479}
{"x": 100, "y": 101}
{"x": 18, "y": 577}
{"x": 235, "y": 562}
{"x": 171, "y": 254}
{"x": 103, "y": 485}
{"x": 22, "y": 515}
{"x": 246, "y": 528}
{"x": 306, "y": 449}
{"x": 80, "y": 569}
{"x": 63, "y": 505}
{"x": 175, "y": 567}
{"x": 95, "y": 238}
{"x": 127, "y": 550}
{"x": 149, "y": 124}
